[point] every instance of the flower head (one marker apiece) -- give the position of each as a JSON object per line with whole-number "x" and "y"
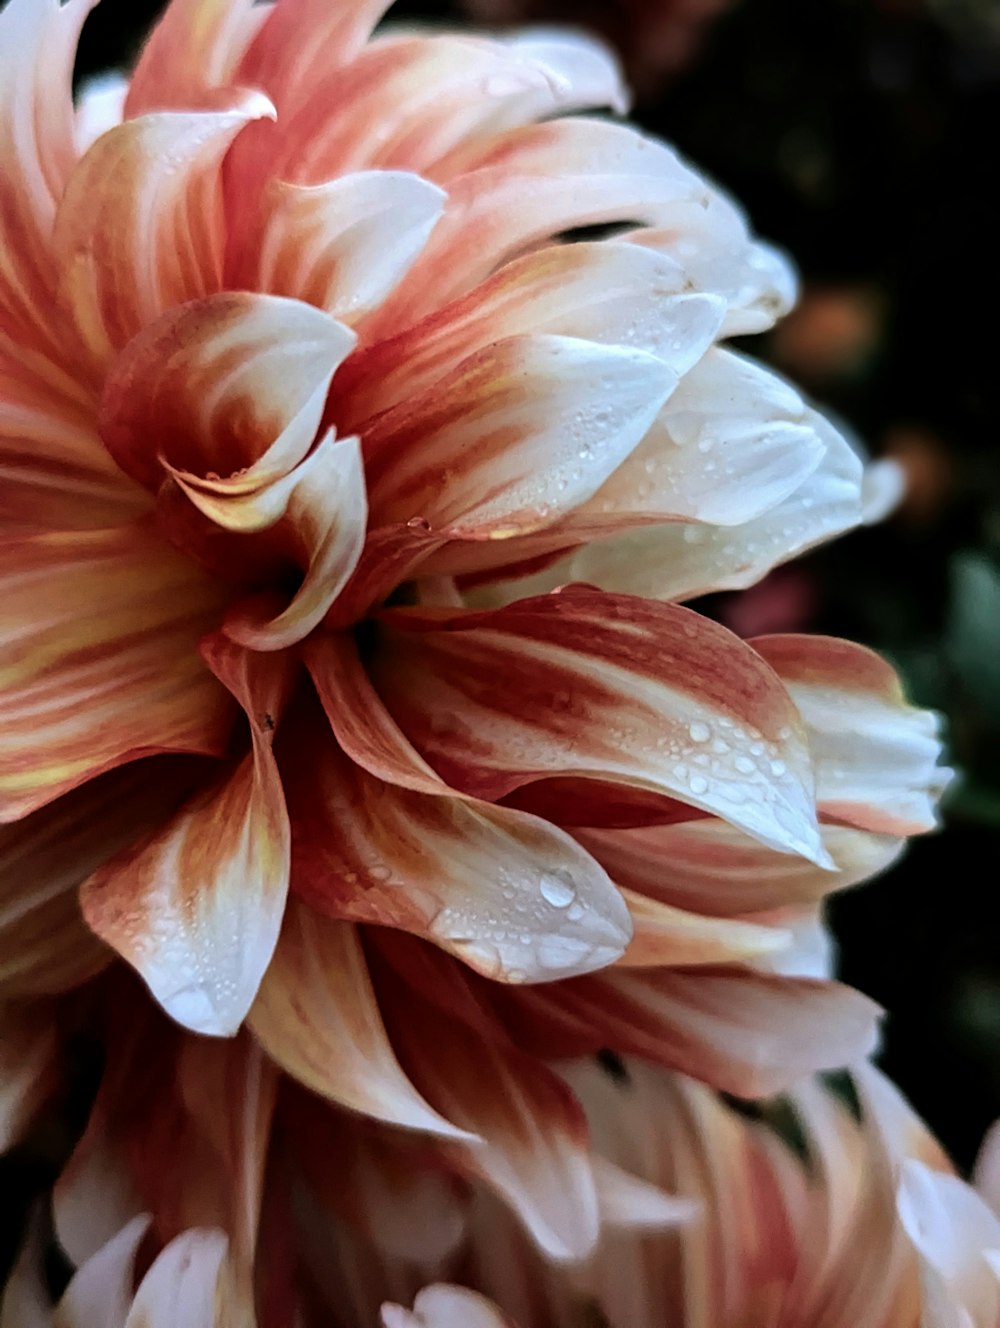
{"x": 352, "y": 483}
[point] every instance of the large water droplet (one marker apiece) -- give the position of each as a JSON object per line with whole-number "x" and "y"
{"x": 699, "y": 731}
{"x": 557, "y": 888}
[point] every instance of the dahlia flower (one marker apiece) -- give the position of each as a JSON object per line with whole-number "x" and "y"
{"x": 306, "y": 378}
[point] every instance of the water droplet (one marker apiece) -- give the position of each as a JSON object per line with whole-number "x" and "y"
{"x": 557, "y": 888}
{"x": 699, "y": 731}
{"x": 778, "y": 767}
{"x": 380, "y": 872}
{"x": 698, "y": 784}
{"x": 576, "y": 911}
{"x": 744, "y": 765}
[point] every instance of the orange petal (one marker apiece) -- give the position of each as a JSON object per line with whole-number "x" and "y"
{"x": 317, "y": 1016}
{"x": 192, "y": 52}
{"x": 45, "y": 946}
{"x": 605, "y": 687}
{"x": 344, "y": 245}
{"x": 37, "y": 50}
{"x": 532, "y": 1134}
{"x": 875, "y": 755}
{"x": 225, "y": 393}
{"x": 100, "y": 665}
{"x": 509, "y": 894}
{"x": 524, "y": 430}
{"x": 140, "y": 226}
{"x": 674, "y": 938}
{"x": 197, "y": 907}
{"x": 712, "y": 868}
{"x": 609, "y": 293}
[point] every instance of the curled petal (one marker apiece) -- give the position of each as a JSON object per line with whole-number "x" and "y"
{"x": 523, "y": 431}
{"x": 672, "y": 937}
{"x": 101, "y": 1291}
{"x": 603, "y": 687}
{"x": 192, "y": 1283}
{"x": 443, "y": 1306}
{"x": 103, "y": 667}
{"x": 344, "y": 245}
{"x": 139, "y": 227}
{"x": 224, "y": 393}
{"x": 197, "y": 907}
{"x": 875, "y": 755}
{"x": 317, "y": 1016}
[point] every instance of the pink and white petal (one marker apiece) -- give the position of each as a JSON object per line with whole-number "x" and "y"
{"x": 100, "y": 662}
{"x": 196, "y": 908}
{"x": 875, "y": 756}
{"x": 325, "y": 519}
{"x": 732, "y": 442}
{"x": 300, "y": 41}
{"x": 612, "y": 688}
{"x": 193, "y": 1283}
{"x": 192, "y": 52}
{"x": 226, "y": 393}
{"x": 512, "y": 896}
{"x": 28, "y": 1069}
{"x": 443, "y": 1306}
{"x": 986, "y": 1173}
{"x": 37, "y": 153}
{"x": 140, "y": 226}
{"x": 631, "y": 1204}
{"x": 532, "y": 1137}
{"x": 101, "y": 1291}
{"x": 709, "y": 867}
{"x": 510, "y": 192}
{"x": 523, "y": 431}
{"x": 682, "y": 560}
{"x": 45, "y": 946}
{"x": 95, "y": 1194}
{"x": 610, "y": 293}
{"x": 317, "y": 1016}
{"x": 811, "y": 949}
{"x": 342, "y": 246}
{"x": 671, "y": 937}
{"x": 744, "y": 1032}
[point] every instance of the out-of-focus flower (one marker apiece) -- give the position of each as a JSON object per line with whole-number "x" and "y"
{"x": 831, "y": 335}
{"x": 656, "y": 38}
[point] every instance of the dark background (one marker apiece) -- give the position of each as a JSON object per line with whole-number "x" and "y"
{"x": 862, "y": 135}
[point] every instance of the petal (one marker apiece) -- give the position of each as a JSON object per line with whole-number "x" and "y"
{"x": 316, "y": 1015}
{"x": 344, "y": 245}
{"x": 100, "y": 663}
{"x": 37, "y": 49}
{"x": 190, "y": 1283}
{"x": 532, "y": 1135}
{"x": 509, "y": 894}
{"x": 197, "y": 907}
{"x": 232, "y": 386}
{"x": 674, "y": 938}
{"x": 442, "y": 1306}
{"x": 100, "y": 106}
{"x": 324, "y": 527}
{"x": 192, "y": 52}
{"x": 45, "y": 946}
{"x": 732, "y": 443}
{"x": 28, "y": 1050}
{"x": 520, "y": 432}
{"x": 101, "y": 1292}
{"x": 139, "y": 227}
{"x": 712, "y": 868}
{"x": 603, "y": 687}
{"x": 875, "y": 755}
{"x": 746, "y": 1033}
{"x": 609, "y": 293}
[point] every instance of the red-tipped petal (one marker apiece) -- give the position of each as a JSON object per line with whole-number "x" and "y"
{"x": 605, "y": 687}
{"x": 100, "y": 663}
{"x": 316, "y": 1015}
{"x": 197, "y": 907}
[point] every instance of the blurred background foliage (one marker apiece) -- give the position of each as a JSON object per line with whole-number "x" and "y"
{"x": 862, "y": 136}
